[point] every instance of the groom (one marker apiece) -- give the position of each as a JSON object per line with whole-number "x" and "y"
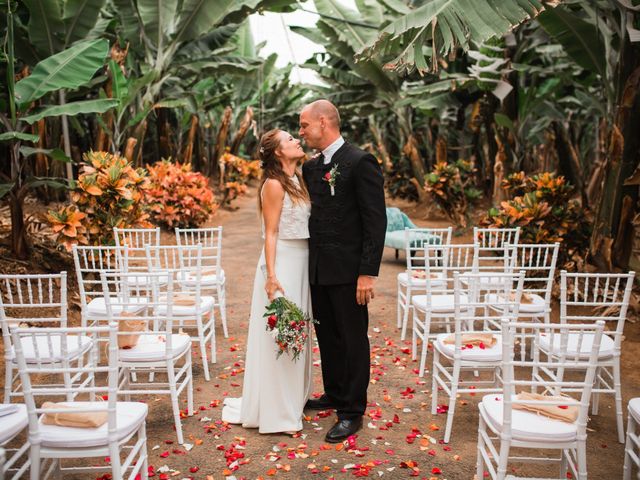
{"x": 347, "y": 227}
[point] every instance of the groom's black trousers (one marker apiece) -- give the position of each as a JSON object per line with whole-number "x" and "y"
{"x": 344, "y": 347}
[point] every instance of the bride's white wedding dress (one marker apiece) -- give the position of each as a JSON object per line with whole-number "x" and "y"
{"x": 275, "y": 389}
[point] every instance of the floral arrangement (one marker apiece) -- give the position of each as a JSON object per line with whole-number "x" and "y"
{"x": 289, "y": 326}
{"x": 451, "y": 187}
{"x": 178, "y": 196}
{"x": 108, "y": 194}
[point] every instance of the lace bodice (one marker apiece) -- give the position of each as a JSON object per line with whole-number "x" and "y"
{"x": 294, "y": 218}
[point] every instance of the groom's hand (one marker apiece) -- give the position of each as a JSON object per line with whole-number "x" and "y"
{"x": 364, "y": 292}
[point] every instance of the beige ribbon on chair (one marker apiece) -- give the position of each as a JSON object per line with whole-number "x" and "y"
{"x": 567, "y": 412}
{"x": 71, "y": 418}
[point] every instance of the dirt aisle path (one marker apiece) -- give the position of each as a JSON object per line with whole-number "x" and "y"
{"x": 398, "y": 428}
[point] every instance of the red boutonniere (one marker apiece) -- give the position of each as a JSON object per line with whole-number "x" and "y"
{"x": 330, "y": 178}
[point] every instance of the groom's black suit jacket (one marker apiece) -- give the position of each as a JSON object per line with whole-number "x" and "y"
{"x": 347, "y": 230}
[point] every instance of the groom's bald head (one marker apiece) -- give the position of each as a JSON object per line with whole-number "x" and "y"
{"x": 326, "y": 109}
{"x": 320, "y": 124}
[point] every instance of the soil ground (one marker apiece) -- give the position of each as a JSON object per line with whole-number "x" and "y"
{"x": 399, "y": 426}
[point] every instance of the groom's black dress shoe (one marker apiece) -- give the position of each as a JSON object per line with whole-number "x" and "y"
{"x": 322, "y": 403}
{"x": 343, "y": 430}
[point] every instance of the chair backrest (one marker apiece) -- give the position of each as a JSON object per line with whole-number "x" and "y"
{"x": 415, "y": 240}
{"x": 64, "y": 341}
{"x": 397, "y": 220}
{"x": 24, "y": 298}
{"x": 211, "y": 241}
{"x": 138, "y": 296}
{"x": 591, "y": 297}
{"x": 135, "y": 240}
{"x": 440, "y": 264}
{"x": 90, "y": 261}
{"x": 493, "y": 247}
{"x": 539, "y": 264}
{"x": 473, "y": 292}
{"x": 183, "y": 262}
{"x": 549, "y": 376}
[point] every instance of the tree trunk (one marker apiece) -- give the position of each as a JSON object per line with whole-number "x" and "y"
{"x": 221, "y": 143}
{"x": 242, "y": 131}
{"x": 130, "y": 148}
{"x": 188, "y": 150}
{"x": 164, "y": 129}
{"x": 19, "y": 242}
{"x": 411, "y": 151}
{"x": 568, "y": 160}
{"x": 382, "y": 149}
{"x": 623, "y": 157}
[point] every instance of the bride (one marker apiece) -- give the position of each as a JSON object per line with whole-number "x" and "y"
{"x": 275, "y": 389}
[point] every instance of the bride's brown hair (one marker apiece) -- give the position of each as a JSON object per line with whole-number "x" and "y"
{"x": 272, "y": 168}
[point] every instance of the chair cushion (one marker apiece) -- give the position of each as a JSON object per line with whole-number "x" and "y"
{"x": 607, "y": 345}
{"x": 13, "y": 424}
{"x": 206, "y": 305}
{"x": 76, "y": 345}
{"x": 130, "y": 416}
{"x": 475, "y": 353}
{"x": 189, "y": 279}
{"x": 143, "y": 280}
{"x": 403, "y": 278}
{"x": 97, "y": 307}
{"x": 634, "y": 408}
{"x": 527, "y": 425}
{"x": 151, "y": 348}
{"x": 439, "y": 303}
{"x": 394, "y": 239}
{"x": 536, "y": 305}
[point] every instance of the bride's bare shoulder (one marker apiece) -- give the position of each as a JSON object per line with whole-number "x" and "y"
{"x": 272, "y": 190}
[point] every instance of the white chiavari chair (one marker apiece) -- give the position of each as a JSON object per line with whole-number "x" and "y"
{"x": 414, "y": 276}
{"x": 41, "y": 299}
{"x": 156, "y": 348}
{"x": 632, "y": 447}
{"x": 504, "y": 424}
{"x": 135, "y": 240}
{"x": 213, "y": 278}
{"x": 470, "y": 349}
{"x": 90, "y": 262}
{"x": 51, "y": 439}
{"x": 191, "y": 309}
{"x": 434, "y": 306}
{"x": 11, "y": 426}
{"x": 591, "y": 297}
{"x": 494, "y": 254}
{"x": 538, "y": 261}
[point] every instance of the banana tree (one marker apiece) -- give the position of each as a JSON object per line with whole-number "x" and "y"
{"x": 55, "y": 25}
{"x": 68, "y": 69}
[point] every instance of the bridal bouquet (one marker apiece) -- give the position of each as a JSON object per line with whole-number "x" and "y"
{"x": 289, "y": 326}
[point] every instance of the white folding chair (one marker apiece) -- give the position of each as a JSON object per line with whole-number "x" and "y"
{"x": 632, "y": 447}
{"x": 453, "y": 355}
{"x": 590, "y": 297}
{"x": 503, "y": 427}
{"x": 191, "y": 309}
{"x": 41, "y": 299}
{"x": 414, "y": 276}
{"x": 434, "y": 307}
{"x": 213, "y": 278}
{"x": 157, "y": 349}
{"x": 125, "y": 420}
{"x": 12, "y": 425}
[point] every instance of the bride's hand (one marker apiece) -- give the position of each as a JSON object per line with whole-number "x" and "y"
{"x": 272, "y": 286}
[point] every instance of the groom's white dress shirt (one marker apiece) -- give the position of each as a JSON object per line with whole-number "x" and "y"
{"x": 331, "y": 149}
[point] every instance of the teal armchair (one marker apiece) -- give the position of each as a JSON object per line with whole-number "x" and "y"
{"x": 397, "y": 223}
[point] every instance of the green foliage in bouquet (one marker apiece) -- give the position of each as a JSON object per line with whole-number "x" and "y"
{"x": 290, "y": 326}
{"x": 542, "y": 206}
{"x": 178, "y": 196}
{"x": 109, "y": 194}
{"x": 451, "y": 187}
